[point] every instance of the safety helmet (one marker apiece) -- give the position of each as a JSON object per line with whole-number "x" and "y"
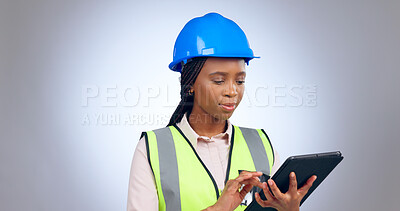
{"x": 211, "y": 35}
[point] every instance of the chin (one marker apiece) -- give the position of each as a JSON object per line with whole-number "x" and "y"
{"x": 223, "y": 116}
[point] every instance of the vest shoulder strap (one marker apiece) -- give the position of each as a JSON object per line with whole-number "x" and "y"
{"x": 163, "y": 162}
{"x": 260, "y": 148}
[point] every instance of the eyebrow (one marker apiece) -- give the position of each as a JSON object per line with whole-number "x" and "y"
{"x": 224, "y": 73}
{"x": 218, "y": 73}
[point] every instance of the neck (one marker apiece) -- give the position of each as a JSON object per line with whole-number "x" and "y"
{"x": 206, "y": 125}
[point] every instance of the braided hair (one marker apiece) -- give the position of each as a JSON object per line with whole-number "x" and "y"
{"x": 189, "y": 73}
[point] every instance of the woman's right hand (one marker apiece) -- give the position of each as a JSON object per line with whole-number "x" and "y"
{"x": 233, "y": 194}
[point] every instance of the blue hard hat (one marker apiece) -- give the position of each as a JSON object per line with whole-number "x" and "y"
{"x": 211, "y": 35}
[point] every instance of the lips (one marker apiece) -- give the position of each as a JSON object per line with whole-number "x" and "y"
{"x": 228, "y": 106}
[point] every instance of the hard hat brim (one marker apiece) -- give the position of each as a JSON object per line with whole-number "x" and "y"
{"x": 177, "y": 67}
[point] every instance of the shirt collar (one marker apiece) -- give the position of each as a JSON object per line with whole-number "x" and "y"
{"x": 193, "y": 137}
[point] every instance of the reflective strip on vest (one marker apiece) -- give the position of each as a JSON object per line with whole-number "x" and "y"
{"x": 257, "y": 150}
{"x": 183, "y": 182}
{"x": 168, "y": 168}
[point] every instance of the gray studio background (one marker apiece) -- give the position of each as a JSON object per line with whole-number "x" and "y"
{"x": 80, "y": 80}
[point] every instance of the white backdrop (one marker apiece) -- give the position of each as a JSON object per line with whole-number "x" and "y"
{"x": 80, "y": 80}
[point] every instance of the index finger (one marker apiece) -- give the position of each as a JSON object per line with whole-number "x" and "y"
{"x": 244, "y": 172}
{"x": 247, "y": 174}
{"x": 303, "y": 190}
{"x": 251, "y": 181}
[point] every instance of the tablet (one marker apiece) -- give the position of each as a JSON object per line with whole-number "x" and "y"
{"x": 320, "y": 164}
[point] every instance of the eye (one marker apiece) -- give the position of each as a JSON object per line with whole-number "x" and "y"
{"x": 218, "y": 82}
{"x": 240, "y": 82}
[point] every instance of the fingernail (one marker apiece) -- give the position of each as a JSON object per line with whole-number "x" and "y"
{"x": 270, "y": 182}
{"x": 264, "y": 185}
{"x": 291, "y": 174}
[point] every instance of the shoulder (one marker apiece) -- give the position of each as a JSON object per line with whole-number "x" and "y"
{"x": 259, "y": 130}
{"x": 254, "y": 133}
{"x": 145, "y": 134}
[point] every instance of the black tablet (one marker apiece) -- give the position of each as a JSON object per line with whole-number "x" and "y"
{"x": 320, "y": 164}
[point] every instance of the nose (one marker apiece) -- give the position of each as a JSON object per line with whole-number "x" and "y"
{"x": 230, "y": 90}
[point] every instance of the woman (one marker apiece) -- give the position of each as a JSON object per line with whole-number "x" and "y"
{"x": 194, "y": 162}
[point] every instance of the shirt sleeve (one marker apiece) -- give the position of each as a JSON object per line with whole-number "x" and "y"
{"x": 276, "y": 164}
{"x": 142, "y": 193}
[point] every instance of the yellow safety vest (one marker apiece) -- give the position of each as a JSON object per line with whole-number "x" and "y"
{"x": 182, "y": 180}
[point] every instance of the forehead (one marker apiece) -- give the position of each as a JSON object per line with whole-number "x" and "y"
{"x": 226, "y": 65}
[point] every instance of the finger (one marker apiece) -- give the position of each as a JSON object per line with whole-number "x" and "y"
{"x": 246, "y": 189}
{"x": 240, "y": 178}
{"x": 252, "y": 181}
{"x": 246, "y": 175}
{"x": 250, "y": 174}
{"x": 303, "y": 190}
{"x": 267, "y": 193}
{"x": 256, "y": 173}
{"x": 232, "y": 185}
{"x": 261, "y": 202}
{"x": 292, "y": 182}
{"x": 243, "y": 173}
{"x": 235, "y": 184}
{"x": 275, "y": 190}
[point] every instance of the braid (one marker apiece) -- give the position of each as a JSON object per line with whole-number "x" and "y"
{"x": 190, "y": 71}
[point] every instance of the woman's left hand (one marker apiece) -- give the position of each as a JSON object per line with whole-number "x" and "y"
{"x": 289, "y": 201}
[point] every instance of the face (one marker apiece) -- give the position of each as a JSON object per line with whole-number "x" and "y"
{"x": 219, "y": 87}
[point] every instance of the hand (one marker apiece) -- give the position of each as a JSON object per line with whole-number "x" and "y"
{"x": 290, "y": 201}
{"x": 232, "y": 195}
